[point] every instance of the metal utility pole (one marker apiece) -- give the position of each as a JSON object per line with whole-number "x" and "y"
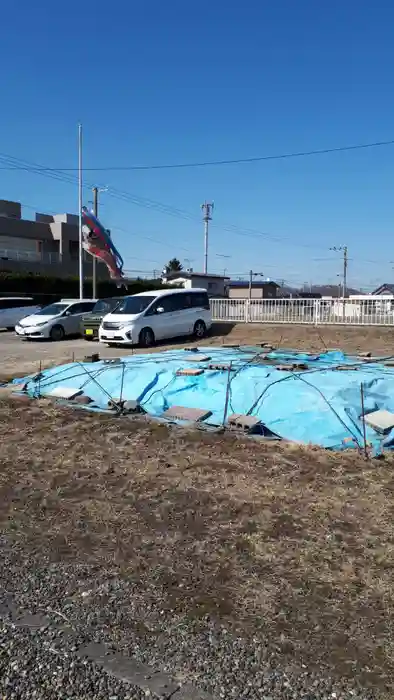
{"x": 95, "y": 191}
{"x": 344, "y": 250}
{"x": 207, "y": 209}
{"x": 80, "y": 210}
{"x": 251, "y": 275}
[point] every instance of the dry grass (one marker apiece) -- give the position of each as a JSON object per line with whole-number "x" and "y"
{"x": 290, "y": 542}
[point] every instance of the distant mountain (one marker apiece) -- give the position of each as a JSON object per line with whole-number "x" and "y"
{"x": 326, "y": 290}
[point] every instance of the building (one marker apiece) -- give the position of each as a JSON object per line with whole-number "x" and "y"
{"x": 48, "y": 245}
{"x": 239, "y": 289}
{"x": 214, "y": 284}
{"x": 385, "y": 289}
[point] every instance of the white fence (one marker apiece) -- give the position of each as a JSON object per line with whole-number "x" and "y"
{"x": 373, "y": 311}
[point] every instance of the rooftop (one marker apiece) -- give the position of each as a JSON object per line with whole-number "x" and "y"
{"x": 255, "y": 283}
{"x": 188, "y": 275}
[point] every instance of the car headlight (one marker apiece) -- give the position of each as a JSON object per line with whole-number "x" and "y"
{"x": 42, "y": 323}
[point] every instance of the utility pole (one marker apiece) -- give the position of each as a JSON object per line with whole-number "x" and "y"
{"x": 95, "y": 191}
{"x": 251, "y": 275}
{"x": 207, "y": 209}
{"x": 80, "y": 210}
{"x": 344, "y": 250}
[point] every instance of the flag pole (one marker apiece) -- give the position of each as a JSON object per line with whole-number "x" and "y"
{"x": 80, "y": 210}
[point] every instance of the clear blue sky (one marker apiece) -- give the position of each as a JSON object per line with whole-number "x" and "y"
{"x": 158, "y": 82}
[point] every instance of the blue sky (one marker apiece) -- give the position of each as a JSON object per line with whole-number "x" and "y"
{"x": 156, "y": 83}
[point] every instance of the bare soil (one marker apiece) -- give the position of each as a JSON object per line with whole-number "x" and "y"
{"x": 292, "y": 543}
{"x": 289, "y": 542}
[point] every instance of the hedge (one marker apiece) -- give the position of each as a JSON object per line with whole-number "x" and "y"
{"x": 47, "y": 289}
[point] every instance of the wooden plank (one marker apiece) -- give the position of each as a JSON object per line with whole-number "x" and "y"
{"x": 189, "y": 372}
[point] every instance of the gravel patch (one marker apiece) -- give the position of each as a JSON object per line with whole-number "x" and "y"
{"x": 34, "y": 664}
{"x": 92, "y": 607}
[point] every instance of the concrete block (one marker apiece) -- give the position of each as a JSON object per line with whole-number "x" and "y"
{"x": 95, "y": 357}
{"x": 191, "y": 692}
{"x": 189, "y": 372}
{"x": 132, "y": 406}
{"x": 382, "y": 421}
{"x": 83, "y": 400}
{"x": 188, "y": 414}
{"x": 222, "y": 368}
{"x": 64, "y": 392}
{"x": 33, "y": 622}
{"x": 136, "y": 673}
{"x": 243, "y": 421}
{"x": 347, "y": 368}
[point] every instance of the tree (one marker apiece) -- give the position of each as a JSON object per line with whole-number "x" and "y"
{"x": 173, "y": 265}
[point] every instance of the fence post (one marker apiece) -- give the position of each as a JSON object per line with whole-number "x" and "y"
{"x": 247, "y": 311}
{"x": 316, "y": 312}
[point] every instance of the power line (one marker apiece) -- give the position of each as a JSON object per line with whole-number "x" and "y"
{"x": 157, "y": 206}
{"x": 230, "y": 161}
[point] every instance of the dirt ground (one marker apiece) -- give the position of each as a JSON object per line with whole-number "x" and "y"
{"x": 287, "y": 542}
{"x": 18, "y": 357}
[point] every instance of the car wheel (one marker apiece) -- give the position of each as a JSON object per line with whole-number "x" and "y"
{"x": 10, "y": 328}
{"x": 57, "y": 333}
{"x": 147, "y": 338}
{"x": 200, "y": 329}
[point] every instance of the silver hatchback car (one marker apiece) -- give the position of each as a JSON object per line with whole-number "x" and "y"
{"x": 56, "y": 320}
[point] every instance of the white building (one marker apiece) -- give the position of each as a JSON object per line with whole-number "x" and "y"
{"x": 214, "y": 284}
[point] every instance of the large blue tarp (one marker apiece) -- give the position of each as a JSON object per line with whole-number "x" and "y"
{"x": 319, "y": 405}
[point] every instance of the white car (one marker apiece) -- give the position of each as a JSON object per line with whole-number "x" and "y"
{"x": 56, "y": 320}
{"x": 12, "y": 309}
{"x": 144, "y": 318}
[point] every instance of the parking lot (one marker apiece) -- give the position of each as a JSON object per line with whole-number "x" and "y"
{"x": 20, "y": 357}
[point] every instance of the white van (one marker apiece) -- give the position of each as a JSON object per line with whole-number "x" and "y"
{"x": 12, "y": 309}
{"x": 156, "y": 315}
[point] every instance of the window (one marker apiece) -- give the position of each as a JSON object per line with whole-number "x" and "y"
{"x": 52, "y": 310}
{"x": 105, "y": 306}
{"x": 134, "y": 305}
{"x": 82, "y": 307}
{"x": 180, "y": 302}
{"x": 167, "y": 303}
{"x": 200, "y": 300}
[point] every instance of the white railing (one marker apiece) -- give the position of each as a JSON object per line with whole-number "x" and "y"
{"x": 373, "y": 311}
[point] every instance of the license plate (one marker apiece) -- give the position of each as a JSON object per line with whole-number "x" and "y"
{"x": 89, "y": 331}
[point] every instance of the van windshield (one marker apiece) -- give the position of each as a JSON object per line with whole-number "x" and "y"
{"x": 52, "y": 310}
{"x": 134, "y": 305}
{"x": 105, "y": 306}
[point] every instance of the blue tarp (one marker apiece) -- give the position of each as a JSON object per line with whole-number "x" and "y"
{"x": 320, "y": 405}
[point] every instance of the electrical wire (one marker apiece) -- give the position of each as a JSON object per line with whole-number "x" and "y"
{"x": 162, "y": 208}
{"x": 230, "y": 161}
